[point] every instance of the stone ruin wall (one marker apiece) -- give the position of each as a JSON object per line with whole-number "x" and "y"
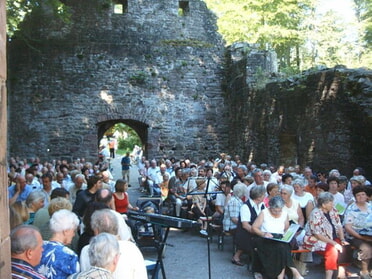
{"x": 321, "y": 119}
{"x": 151, "y": 68}
{"x": 170, "y": 77}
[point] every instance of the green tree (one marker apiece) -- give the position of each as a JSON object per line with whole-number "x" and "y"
{"x": 300, "y": 35}
{"x": 363, "y": 12}
{"x": 129, "y": 141}
{"x": 18, "y": 10}
{"x": 273, "y": 24}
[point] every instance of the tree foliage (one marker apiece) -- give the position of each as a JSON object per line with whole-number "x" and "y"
{"x": 301, "y": 37}
{"x": 363, "y": 11}
{"x": 18, "y": 10}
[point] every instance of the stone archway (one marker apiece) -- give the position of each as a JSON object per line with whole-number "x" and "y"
{"x": 139, "y": 127}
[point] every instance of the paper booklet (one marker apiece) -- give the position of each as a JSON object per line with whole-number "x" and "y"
{"x": 289, "y": 234}
{"x": 340, "y": 207}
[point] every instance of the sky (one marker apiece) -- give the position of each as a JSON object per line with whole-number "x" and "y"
{"x": 343, "y": 7}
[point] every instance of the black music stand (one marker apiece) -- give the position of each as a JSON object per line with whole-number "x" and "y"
{"x": 206, "y": 193}
{"x": 160, "y": 250}
{"x": 161, "y": 221}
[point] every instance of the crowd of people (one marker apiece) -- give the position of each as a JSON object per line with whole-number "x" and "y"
{"x": 70, "y": 205}
{"x": 71, "y": 213}
{"x": 257, "y": 203}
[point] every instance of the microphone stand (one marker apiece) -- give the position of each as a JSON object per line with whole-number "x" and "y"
{"x": 208, "y": 236}
{"x": 206, "y": 194}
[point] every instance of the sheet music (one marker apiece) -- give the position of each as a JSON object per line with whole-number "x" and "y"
{"x": 289, "y": 234}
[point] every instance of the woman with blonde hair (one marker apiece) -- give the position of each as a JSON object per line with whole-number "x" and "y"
{"x": 21, "y": 210}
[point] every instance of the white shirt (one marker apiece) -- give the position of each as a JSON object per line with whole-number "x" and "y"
{"x": 220, "y": 199}
{"x": 124, "y": 231}
{"x": 154, "y": 175}
{"x": 304, "y": 199}
{"x": 247, "y": 192}
{"x": 245, "y": 213}
{"x": 131, "y": 264}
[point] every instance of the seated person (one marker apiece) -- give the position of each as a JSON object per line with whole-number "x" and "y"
{"x": 274, "y": 256}
{"x": 222, "y": 199}
{"x": 26, "y": 249}
{"x": 199, "y": 207}
{"x": 358, "y": 226}
{"x": 59, "y": 261}
{"x": 104, "y": 254}
{"x": 244, "y": 237}
{"x": 131, "y": 264}
{"x": 324, "y": 232}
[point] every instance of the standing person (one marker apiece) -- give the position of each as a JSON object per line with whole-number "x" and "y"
{"x": 26, "y": 250}
{"x": 324, "y": 232}
{"x": 58, "y": 261}
{"x": 125, "y": 167}
{"x": 112, "y": 147}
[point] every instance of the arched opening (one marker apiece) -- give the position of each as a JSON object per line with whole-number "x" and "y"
{"x": 106, "y": 128}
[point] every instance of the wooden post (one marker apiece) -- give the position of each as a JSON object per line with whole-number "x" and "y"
{"x": 5, "y": 269}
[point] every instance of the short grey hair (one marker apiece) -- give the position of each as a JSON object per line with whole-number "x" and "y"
{"x": 298, "y": 182}
{"x": 242, "y": 167}
{"x": 62, "y": 220}
{"x": 257, "y": 192}
{"x": 103, "y": 249}
{"x": 23, "y": 238}
{"x": 334, "y": 172}
{"x": 276, "y": 202}
{"x": 287, "y": 188}
{"x": 34, "y": 196}
{"x": 239, "y": 190}
{"x": 257, "y": 170}
{"x": 104, "y": 220}
{"x": 325, "y": 197}
{"x": 79, "y": 175}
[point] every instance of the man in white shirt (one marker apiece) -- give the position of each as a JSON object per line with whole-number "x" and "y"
{"x": 258, "y": 181}
{"x": 153, "y": 177}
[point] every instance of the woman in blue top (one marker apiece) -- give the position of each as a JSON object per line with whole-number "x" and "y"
{"x": 59, "y": 261}
{"x": 358, "y": 226}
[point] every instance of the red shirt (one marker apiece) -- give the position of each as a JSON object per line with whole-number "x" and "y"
{"x": 121, "y": 205}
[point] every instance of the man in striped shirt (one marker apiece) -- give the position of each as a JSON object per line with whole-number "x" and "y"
{"x": 26, "y": 251}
